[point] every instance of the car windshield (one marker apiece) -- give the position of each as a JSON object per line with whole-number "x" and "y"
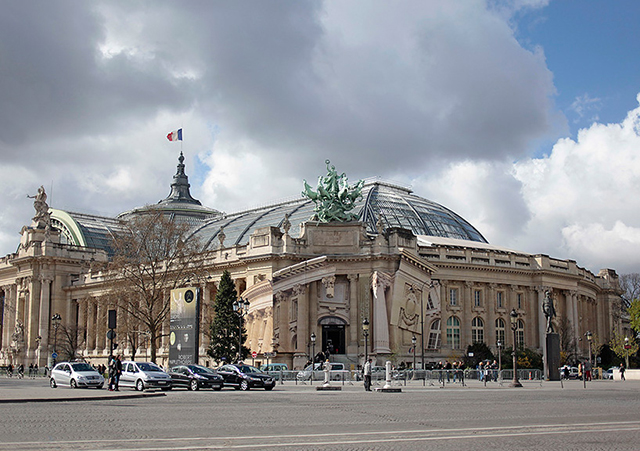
{"x": 248, "y": 369}
{"x": 201, "y": 369}
{"x": 146, "y": 366}
{"x": 82, "y": 367}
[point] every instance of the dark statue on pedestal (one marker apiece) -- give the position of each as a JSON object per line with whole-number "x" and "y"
{"x": 549, "y": 311}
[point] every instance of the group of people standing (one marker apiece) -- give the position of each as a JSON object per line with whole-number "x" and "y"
{"x": 115, "y": 370}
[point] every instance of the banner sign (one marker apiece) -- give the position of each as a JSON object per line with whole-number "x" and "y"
{"x": 183, "y": 328}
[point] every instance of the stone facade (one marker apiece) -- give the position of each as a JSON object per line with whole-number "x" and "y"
{"x": 448, "y": 293}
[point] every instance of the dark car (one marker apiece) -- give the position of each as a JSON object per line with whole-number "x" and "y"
{"x": 244, "y": 377}
{"x": 195, "y": 377}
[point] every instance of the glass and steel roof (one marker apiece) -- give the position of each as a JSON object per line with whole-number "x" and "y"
{"x": 79, "y": 229}
{"x": 396, "y": 206}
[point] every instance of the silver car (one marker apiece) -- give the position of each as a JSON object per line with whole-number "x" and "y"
{"x": 74, "y": 375}
{"x": 142, "y": 375}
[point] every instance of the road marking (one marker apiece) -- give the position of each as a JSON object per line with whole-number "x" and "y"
{"x": 344, "y": 438}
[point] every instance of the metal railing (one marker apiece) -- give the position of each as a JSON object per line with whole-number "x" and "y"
{"x": 403, "y": 377}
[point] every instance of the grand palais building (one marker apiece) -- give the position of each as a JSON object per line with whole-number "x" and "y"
{"x": 409, "y": 266}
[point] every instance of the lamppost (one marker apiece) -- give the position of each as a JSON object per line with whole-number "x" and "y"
{"x": 499, "y": 356}
{"x": 589, "y": 336}
{"x": 413, "y": 342}
{"x": 365, "y": 332}
{"x": 514, "y": 326}
{"x": 241, "y": 307}
{"x": 313, "y": 355}
{"x": 626, "y": 351}
{"x": 55, "y": 319}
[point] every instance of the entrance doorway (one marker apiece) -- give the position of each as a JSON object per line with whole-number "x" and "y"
{"x": 333, "y": 339}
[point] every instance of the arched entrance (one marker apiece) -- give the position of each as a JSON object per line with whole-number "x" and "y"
{"x": 333, "y": 334}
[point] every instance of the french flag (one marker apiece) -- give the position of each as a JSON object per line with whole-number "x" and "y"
{"x": 175, "y": 135}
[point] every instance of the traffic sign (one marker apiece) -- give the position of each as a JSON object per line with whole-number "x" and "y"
{"x": 54, "y": 355}
{"x": 254, "y": 354}
{"x": 627, "y": 346}
{"x": 269, "y": 354}
{"x": 111, "y": 334}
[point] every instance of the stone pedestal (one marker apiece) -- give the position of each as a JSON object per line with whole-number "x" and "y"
{"x": 553, "y": 357}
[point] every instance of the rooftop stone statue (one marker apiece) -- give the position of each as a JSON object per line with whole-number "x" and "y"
{"x": 334, "y": 197}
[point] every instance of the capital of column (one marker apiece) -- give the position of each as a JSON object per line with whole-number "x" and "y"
{"x": 299, "y": 289}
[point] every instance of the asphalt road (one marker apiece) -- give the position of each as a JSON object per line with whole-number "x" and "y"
{"x": 539, "y": 416}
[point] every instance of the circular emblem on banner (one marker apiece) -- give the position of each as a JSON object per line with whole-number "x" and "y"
{"x": 188, "y": 296}
{"x": 172, "y": 338}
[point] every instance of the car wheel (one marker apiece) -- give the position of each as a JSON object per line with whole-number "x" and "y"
{"x": 139, "y": 385}
{"x": 52, "y": 383}
{"x": 244, "y": 385}
{"x": 73, "y": 383}
{"x": 193, "y": 385}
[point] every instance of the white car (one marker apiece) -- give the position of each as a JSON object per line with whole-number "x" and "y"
{"x": 142, "y": 375}
{"x": 74, "y": 375}
{"x": 337, "y": 372}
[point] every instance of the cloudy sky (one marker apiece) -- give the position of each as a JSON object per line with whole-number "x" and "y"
{"x": 522, "y": 116}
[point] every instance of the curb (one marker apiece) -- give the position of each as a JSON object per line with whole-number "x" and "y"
{"x": 82, "y": 398}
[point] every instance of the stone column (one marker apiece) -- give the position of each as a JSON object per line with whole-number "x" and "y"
{"x": 43, "y": 326}
{"x": 101, "y": 330}
{"x": 92, "y": 332}
{"x": 302, "y": 322}
{"x": 32, "y": 316}
{"x": 354, "y": 323}
{"x": 82, "y": 327}
{"x": 467, "y": 315}
{"x": 379, "y": 283}
{"x": 9, "y": 317}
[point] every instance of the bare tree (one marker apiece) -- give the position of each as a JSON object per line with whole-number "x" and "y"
{"x": 152, "y": 257}
{"x": 568, "y": 345}
{"x": 69, "y": 340}
{"x": 630, "y": 283}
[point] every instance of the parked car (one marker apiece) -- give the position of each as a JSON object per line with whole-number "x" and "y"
{"x": 573, "y": 372}
{"x": 195, "y": 377}
{"x": 75, "y": 374}
{"x": 142, "y": 375}
{"x": 244, "y": 377}
{"x": 274, "y": 367}
{"x": 609, "y": 373}
{"x": 337, "y": 373}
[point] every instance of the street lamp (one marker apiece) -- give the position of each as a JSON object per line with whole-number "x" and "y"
{"x": 313, "y": 354}
{"x": 514, "y": 326}
{"x": 55, "y": 319}
{"x": 413, "y": 342}
{"x": 626, "y": 350}
{"x": 589, "y": 336}
{"x": 499, "y": 356}
{"x": 365, "y": 332}
{"x": 241, "y": 307}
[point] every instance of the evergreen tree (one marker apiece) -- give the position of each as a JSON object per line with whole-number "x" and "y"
{"x": 226, "y": 325}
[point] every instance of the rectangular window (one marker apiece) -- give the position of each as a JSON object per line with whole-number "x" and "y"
{"x": 453, "y": 296}
{"x": 477, "y": 298}
{"x": 499, "y": 296}
{"x": 519, "y": 298}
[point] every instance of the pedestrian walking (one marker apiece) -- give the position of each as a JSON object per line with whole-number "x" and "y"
{"x": 118, "y": 372}
{"x": 366, "y": 371}
{"x": 622, "y": 368}
{"x": 112, "y": 373}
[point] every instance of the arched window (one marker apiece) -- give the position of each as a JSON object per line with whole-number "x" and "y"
{"x": 453, "y": 332}
{"x": 520, "y": 334}
{"x": 434, "y": 335}
{"x": 477, "y": 330}
{"x": 500, "y": 331}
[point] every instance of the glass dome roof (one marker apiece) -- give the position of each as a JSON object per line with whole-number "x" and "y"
{"x": 395, "y": 205}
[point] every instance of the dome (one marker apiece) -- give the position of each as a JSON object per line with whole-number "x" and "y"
{"x": 178, "y": 205}
{"x": 396, "y": 206}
